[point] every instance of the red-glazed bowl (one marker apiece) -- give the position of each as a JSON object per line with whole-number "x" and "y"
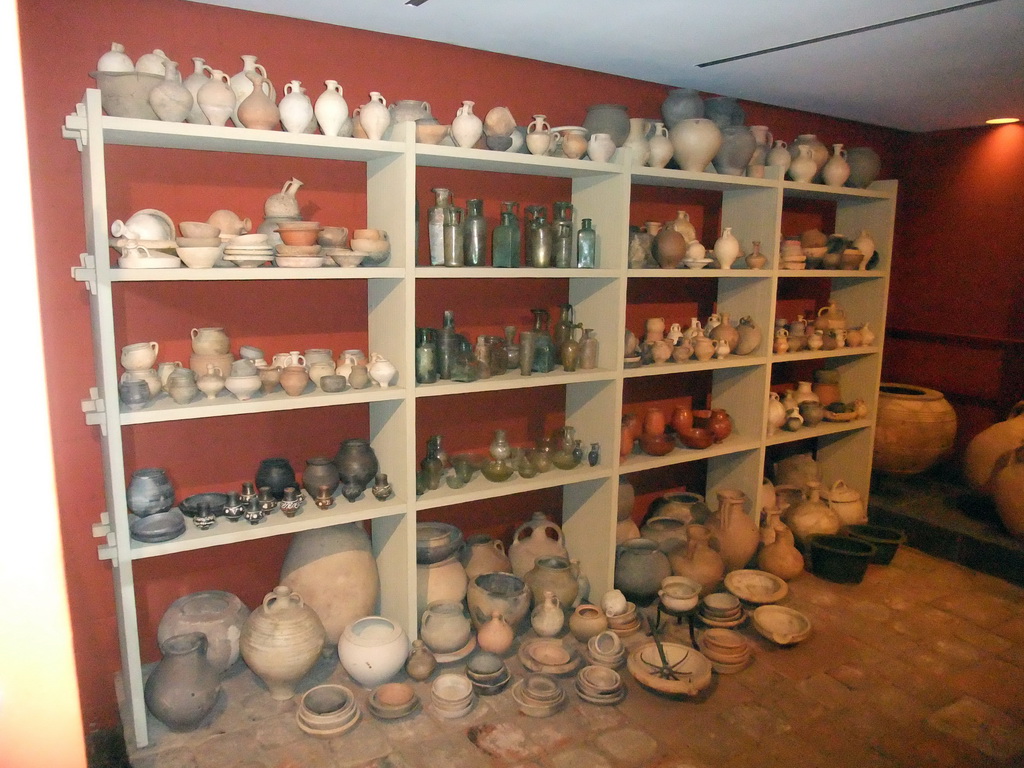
{"x": 697, "y": 437}
{"x": 656, "y": 445}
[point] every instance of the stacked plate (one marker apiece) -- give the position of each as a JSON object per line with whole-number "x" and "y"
{"x": 727, "y": 650}
{"x": 327, "y": 710}
{"x": 548, "y": 656}
{"x": 392, "y": 701}
{"x": 696, "y": 263}
{"x": 488, "y": 673}
{"x": 452, "y": 695}
{"x": 606, "y": 650}
{"x": 302, "y": 256}
{"x": 600, "y": 685}
{"x": 722, "y": 609}
{"x": 249, "y": 250}
{"x": 626, "y": 623}
{"x": 538, "y": 695}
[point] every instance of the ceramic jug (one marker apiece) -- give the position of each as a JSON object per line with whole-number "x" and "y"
{"x": 216, "y": 99}
{"x": 638, "y": 142}
{"x": 547, "y": 618}
{"x": 836, "y": 171}
{"x": 445, "y": 627}
{"x": 812, "y": 516}
{"x": 639, "y": 568}
{"x": 194, "y": 82}
{"x": 296, "y": 108}
{"x": 778, "y": 554}
{"x": 779, "y": 157}
{"x": 802, "y": 167}
{"x": 467, "y": 128}
{"x": 281, "y": 641}
{"x": 555, "y": 574}
{"x": 600, "y": 148}
{"x": 374, "y": 116}
{"x": 483, "y": 554}
{"x": 115, "y": 60}
{"x": 331, "y": 109}
{"x": 727, "y": 249}
{"x": 734, "y": 530}
{"x": 381, "y": 370}
{"x": 242, "y": 85}
{"x": 698, "y": 561}
{"x": 183, "y": 688}
{"x": 660, "y": 147}
{"x": 257, "y": 109}
{"x": 535, "y": 538}
{"x": 170, "y": 100}
{"x": 495, "y": 635}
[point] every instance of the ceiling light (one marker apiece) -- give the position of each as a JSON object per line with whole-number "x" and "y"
{"x": 1002, "y": 120}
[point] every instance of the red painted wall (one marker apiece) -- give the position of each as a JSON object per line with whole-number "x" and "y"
{"x": 61, "y": 45}
{"x": 959, "y": 271}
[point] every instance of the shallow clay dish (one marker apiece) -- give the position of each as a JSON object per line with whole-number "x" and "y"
{"x": 692, "y": 669}
{"x": 781, "y": 625}
{"x": 755, "y": 586}
{"x": 548, "y": 656}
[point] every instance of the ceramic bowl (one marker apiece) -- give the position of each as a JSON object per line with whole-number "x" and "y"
{"x": 192, "y": 505}
{"x": 199, "y": 242}
{"x": 781, "y": 625}
{"x": 327, "y": 710}
{"x": 370, "y": 246}
{"x": 301, "y": 262}
{"x": 656, "y": 445}
{"x": 436, "y": 542}
{"x": 721, "y": 603}
{"x": 394, "y": 694}
{"x": 126, "y": 94}
{"x": 345, "y": 257}
{"x": 200, "y": 258}
{"x": 198, "y": 229}
{"x": 755, "y": 586}
{"x": 369, "y": 234}
{"x": 333, "y": 382}
{"x": 451, "y": 692}
{"x": 333, "y": 237}
{"x": 679, "y": 593}
{"x": 885, "y": 540}
{"x": 485, "y": 663}
{"x": 298, "y": 250}
{"x": 304, "y": 237}
{"x": 254, "y": 239}
{"x": 430, "y": 134}
{"x": 842, "y": 559}
{"x": 696, "y": 263}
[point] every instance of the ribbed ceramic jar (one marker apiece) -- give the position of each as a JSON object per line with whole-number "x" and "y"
{"x": 335, "y": 571}
{"x": 281, "y": 641}
{"x": 183, "y": 688}
{"x": 372, "y": 650}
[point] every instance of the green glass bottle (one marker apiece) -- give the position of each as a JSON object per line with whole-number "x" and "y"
{"x": 506, "y": 242}
{"x": 586, "y": 246}
{"x": 474, "y": 251}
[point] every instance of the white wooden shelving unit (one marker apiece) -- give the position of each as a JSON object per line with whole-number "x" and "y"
{"x": 593, "y": 399}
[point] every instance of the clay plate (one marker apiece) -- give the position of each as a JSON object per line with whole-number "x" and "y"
{"x": 755, "y": 586}
{"x": 692, "y": 668}
{"x": 781, "y": 625}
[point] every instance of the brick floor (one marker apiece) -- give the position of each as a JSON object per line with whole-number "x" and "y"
{"x": 920, "y": 665}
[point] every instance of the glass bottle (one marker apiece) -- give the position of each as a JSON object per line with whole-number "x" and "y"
{"x": 561, "y": 247}
{"x": 475, "y": 234}
{"x": 589, "y": 347}
{"x": 500, "y": 447}
{"x": 507, "y": 239}
{"x": 538, "y": 238}
{"x": 544, "y": 348}
{"x": 563, "y": 328}
{"x": 594, "y": 457}
{"x": 483, "y": 356}
{"x": 586, "y": 246}
{"x": 465, "y": 366}
{"x": 454, "y": 236}
{"x": 432, "y": 466}
{"x": 435, "y": 224}
{"x": 426, "y": 355}
{"x": 447, "y": 346}
{"x": 570, "y": 350}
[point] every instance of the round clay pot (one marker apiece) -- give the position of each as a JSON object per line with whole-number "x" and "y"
{"x": 357, "y": 466}
{"x": 372, "y": 650}
{"x": 587, "y": 621}
{"x": 608, "y": 118}
{"x": 218, "y": 615}
{"x": 681, "y": 104}
{"x": 503, "y": 593}
{"x": 276, "y": 474}
{"x": 149, "y": 492}
{"x": 695, "y": 142}
{"x": 320, "y": 472}
{"x": 442, "y": 581}
{"x": 639, "y": 568}
{"x": 915, "y": 427}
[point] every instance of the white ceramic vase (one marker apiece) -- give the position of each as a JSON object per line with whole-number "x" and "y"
{"x": 331, "y": 109}
{"x": 381, "y": 370}
{"x": 600, "y": 148}
{"x": 778, "y": 156}
{"x": 802, "y": 168}
{"x": 660, "y": 146}
{"x": 296, "y": 108}
{"x": 216, "y": 99}
{"x": 194, "y": 82}
{"x": 374, "y": 117}
{"x": 836, "y": 170}
{"x": 727, "y": 249}
{"x": 637, "y": 141}
{"x": 695, "y": 142}
{"x": 467, "y": 128}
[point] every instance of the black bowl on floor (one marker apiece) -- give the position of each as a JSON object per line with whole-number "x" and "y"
{"x": 885, "y": 540}
{"x": 839, "y": 558}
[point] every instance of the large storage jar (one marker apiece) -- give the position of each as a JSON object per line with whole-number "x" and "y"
{"x": 915, "y": 428}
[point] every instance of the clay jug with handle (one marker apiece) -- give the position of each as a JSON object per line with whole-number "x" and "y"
{"x": 537, "y": 537}
{"x": 734, "y": 530}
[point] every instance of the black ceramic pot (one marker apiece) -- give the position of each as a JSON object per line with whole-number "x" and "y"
{"x": 320, "y": 472}
{"x": 839, "y": 558}
{"x": 885, "y": 540}
{"x": 277, "y": 474}
{"x": 149, "y": 492}
{"x": 357, "y": 466}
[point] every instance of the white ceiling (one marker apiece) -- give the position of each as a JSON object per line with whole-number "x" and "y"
{"x": 941, "y": 70}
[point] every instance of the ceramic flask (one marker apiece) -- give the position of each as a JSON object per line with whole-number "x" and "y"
{"x": 374, "y": 117}
{"x": 258, "y": 109}
{"x": 331, "y": 109}
{"x": 467, "y": 128}
{"x": 170, "y": 100}
{"x": 660, "y": 147}
{"x": 242, "y": 85}
{"x": 296, "y": 108}
{"x": 184, "y": 687}
{"x": 194, "y": 82}
{"x": 216, "y": 99}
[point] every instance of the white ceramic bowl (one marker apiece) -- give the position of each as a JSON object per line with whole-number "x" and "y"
{"x": 198, "y": 229}
{"x": 199, "y": 257}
